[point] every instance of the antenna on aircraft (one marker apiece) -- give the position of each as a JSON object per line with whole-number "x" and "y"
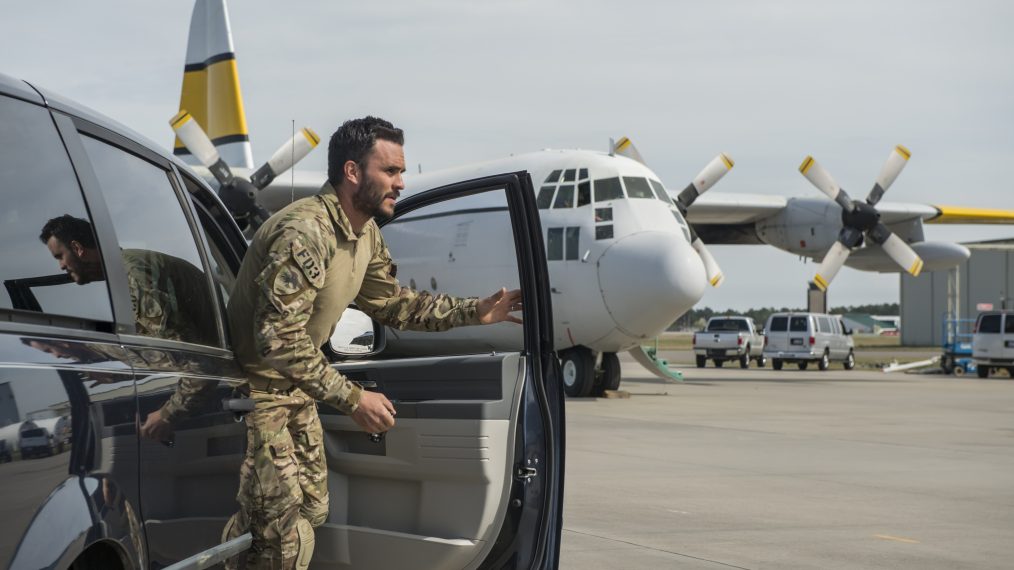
{"x": 240, "y": 194}
{"x": 859, "y": 218}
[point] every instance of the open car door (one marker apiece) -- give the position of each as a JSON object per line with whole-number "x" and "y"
{"x": 472, "y": 474}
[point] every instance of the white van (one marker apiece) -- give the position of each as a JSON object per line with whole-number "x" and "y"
{"x": 808, "y": 337}
{"x": 993, "y": 342}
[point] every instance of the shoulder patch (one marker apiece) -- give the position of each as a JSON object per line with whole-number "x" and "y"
{"x": 309, "y": 264}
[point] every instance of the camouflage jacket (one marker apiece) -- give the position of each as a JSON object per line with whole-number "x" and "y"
{"x": 304, "y": 267}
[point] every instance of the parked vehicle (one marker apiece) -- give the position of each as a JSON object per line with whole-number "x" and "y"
{"x": 35, "y": 441}
{"x": 5, "y": 452}
{"x": 993, "y": 342}
{"x": 471, "y": 476}
{"x": 734, "y": 338}
{"x": 808, "y": 337}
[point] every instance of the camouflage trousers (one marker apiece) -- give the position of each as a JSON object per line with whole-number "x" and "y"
{"x": 283, "y": 478}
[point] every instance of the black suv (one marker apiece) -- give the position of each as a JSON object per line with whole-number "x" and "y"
{"x": 470, "y": 477}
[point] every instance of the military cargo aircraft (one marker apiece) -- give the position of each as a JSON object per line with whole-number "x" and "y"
{"x": 627, "y": 256}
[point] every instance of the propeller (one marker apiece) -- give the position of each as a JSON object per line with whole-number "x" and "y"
{"x": 861, "y": 219}
{"x": 239, "y": 194}
{"x": 701, "y": 183}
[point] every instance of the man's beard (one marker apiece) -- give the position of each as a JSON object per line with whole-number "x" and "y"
{"x": 84, "y": 272}
{"x": 369, "y": 198}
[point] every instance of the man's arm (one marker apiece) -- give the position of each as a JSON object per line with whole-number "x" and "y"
{"x": 402, "y": 308}
{"x": 287, "y": 286}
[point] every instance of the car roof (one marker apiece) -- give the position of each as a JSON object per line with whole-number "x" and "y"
{"x": 43, "y": 96}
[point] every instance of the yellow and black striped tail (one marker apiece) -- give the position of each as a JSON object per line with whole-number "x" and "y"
{"x": 211, "y": 86}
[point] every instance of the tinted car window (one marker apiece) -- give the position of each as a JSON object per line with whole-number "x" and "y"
{"x": 39, "y": 185}
{"x": 169, "y": 290}
{"x": 221, "y": 258}
{"x": 823, "y": 325}
{"x": 989, "y": 324}
{"x": 779, "y": 324}
{"x": 727, "y": 325}
{"x": 1008, "y": 324}
{"x": 798, "y": 324}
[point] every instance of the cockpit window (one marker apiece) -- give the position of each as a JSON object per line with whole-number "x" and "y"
{"x": 584, "y": 192}
{"x": 660, "y": 192}
{"x": 565, "y": 197}
{"x": 582, "y": 174}
{"x": 545, "y": 197}
{"x": 553, "y": 176}
{"x": 608, "y": 189}
{"x": 637, "y": 187}
{"x": 568, "y": 175}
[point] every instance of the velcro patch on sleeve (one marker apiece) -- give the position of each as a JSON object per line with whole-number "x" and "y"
{"x": 311, "y": 267}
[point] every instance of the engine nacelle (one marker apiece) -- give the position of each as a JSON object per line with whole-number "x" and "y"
{"x": 935, "y": 255}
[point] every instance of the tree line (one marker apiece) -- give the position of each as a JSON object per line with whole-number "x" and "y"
{"x": 695, "y": 318}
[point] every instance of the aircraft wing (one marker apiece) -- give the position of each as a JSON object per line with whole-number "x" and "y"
{"x": 727, "y": 208}
{"x": 725, "y": 218}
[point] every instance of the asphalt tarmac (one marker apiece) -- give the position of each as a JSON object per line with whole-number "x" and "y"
{"x": 778, "y": 470}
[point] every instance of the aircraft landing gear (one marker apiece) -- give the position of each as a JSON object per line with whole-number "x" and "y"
{"x": 607, "y": 376}
{"x": 578, "y": 367}
{"x": 582, "y": 376}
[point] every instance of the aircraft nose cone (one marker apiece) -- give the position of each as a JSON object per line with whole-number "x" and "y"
{"x": 648, "y": 279}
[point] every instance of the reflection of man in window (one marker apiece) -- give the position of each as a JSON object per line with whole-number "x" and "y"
{"x": 169, "y": 297}
{"x": 72, "y": 244}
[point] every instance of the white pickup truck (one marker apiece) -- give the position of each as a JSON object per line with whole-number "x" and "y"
{"x": 729, "y": 338}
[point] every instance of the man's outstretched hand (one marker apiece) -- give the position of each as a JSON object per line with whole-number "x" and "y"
{"x": 499, "y": 306}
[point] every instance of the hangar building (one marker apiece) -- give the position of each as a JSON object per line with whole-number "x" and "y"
{"x": 984, "y": 281}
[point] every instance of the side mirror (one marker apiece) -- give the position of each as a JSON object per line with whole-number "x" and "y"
{"x": 760, "y": 332}
{"x": 848, "y": 331}
{"x": 356, "y": 335}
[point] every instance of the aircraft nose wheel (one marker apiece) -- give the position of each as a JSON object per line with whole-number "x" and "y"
{"x": 578, "y": 367}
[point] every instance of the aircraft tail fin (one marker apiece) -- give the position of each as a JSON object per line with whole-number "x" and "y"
{"x": 210, "y": 90}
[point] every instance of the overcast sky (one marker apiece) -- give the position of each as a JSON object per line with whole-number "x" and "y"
{"x": 766, "y": 82}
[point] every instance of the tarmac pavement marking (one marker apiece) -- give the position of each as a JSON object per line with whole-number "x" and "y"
{"x": 897, "y": 538}
{"x": 591, "y": 535}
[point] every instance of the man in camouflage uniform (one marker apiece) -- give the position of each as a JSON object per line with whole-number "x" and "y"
{"x": 306, "y": 264}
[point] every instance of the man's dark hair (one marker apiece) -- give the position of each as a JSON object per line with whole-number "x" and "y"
{"x": 354, "y": 140}
{"x": 67, "y": 228}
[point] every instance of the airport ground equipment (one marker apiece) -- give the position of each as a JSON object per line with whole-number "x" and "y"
{"x": 957, "y": 346}
{"x": 729, "y": 338}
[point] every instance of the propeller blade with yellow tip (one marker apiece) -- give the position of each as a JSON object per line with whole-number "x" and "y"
{"x": 711, "y": 268}
{"x": 197, "y": 142}
{"x": 821, "y": 178}
{"x": 704, "y": 180}
{"x": 294, "y": 150}
{"x": 892, "y": 168}
{"x": 902, "y": 254}
{"x": 833, "y": 261}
